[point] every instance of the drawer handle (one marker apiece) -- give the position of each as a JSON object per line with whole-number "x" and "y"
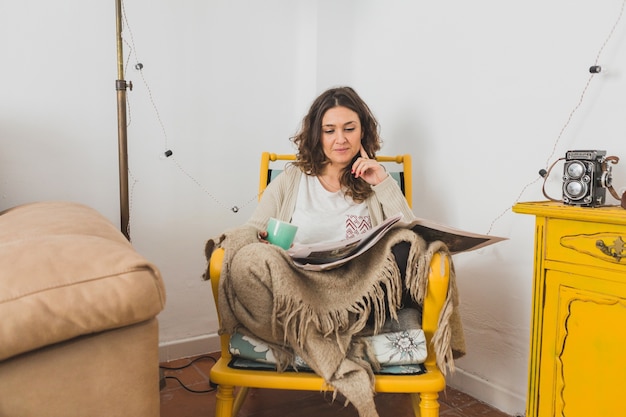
{"x": 617, "y": 251}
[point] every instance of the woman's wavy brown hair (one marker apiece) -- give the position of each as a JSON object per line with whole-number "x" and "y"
{"x": 310, "y": 157}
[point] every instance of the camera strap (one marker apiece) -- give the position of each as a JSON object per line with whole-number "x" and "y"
{"x": 605, "y": 179}
{"x": 545, "y": 174}
{"x": 608, "y": 184}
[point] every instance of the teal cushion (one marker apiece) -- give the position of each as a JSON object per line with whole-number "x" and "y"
{"x": 238, "y": 362}
{"x": 398, "y": 352}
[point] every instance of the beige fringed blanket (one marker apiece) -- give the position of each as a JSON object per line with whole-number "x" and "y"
{"x": 319, "y": 315}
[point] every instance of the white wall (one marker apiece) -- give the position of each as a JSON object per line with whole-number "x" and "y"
{"x": 478, "y": 92}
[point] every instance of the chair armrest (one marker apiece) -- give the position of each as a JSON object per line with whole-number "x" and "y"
{"x": 436, "y": 295}
{"x": 215, "y": 271}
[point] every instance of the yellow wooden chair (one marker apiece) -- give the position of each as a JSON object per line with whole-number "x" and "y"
{"x": 423, "y": 388}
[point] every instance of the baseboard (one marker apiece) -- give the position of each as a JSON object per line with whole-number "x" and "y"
{"x": 185, "y": 348}
{"x": 501, "y": 398}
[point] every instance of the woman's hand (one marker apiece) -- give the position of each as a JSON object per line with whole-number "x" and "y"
{"x": 369, "y": 169}
{"x": 262, "y": 235}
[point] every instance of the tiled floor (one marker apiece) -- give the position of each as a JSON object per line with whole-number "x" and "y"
{"x": 177, "y": 401}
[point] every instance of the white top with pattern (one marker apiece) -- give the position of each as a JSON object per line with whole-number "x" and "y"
{"x": 324, "y": 216}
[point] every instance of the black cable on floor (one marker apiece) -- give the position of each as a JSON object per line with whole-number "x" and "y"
{"x": 167, "y": 368}
{"x": 189, "y": 389}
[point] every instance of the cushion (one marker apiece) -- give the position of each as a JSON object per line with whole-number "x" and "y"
{"x": 238, "y": 362}
{"x": 393, "y": 349}
{"x": 66, "y": 271}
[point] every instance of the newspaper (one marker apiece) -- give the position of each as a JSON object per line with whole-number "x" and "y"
{"x": 329, "y": 255}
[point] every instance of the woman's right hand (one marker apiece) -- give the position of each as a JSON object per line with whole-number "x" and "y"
{"x": 369, "y": 169}
{"x": 262, "y": 235}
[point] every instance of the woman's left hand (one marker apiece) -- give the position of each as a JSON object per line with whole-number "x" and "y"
{"x": 369, "y": 169}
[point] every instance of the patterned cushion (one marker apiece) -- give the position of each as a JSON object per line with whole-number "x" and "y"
{"x": 238, "y": 362}
{"x": 398, "y": 352}
{"x": 404, "y": 347}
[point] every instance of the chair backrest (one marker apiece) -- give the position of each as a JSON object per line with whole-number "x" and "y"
{"x": 402, "y": 173}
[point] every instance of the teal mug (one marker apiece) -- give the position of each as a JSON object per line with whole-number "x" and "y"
{"x": 281, "y": 233}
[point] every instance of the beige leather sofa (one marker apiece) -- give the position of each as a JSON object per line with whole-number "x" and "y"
{"x": 78, "y": 307}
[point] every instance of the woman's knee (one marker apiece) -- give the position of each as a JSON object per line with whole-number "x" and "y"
{"x": 250, "y": 276}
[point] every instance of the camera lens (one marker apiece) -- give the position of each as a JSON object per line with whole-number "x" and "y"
{"x": 575, "y": 189}
{"x": 575, "y": 169}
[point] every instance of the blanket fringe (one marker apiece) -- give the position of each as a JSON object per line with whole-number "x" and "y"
{"x": 442, "y": 339}
{"x": 292, "y": 318}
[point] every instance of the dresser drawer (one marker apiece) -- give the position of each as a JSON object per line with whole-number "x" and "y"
{"x": 586, "y": 243}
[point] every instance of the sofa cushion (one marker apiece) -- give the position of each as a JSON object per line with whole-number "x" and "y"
{"x": 66, "y": 271}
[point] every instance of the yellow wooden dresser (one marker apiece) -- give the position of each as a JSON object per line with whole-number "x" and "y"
{"x": 578, "y": 328}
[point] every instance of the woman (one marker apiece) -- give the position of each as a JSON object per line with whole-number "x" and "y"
{"x": 334, "y": 190}
{"x": 336, "y": 186}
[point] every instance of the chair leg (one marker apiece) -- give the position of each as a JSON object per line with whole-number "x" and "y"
{"x": 415, "y": 402}
{"x": 239, "y": 399}
{"x": 425, "y": 404}
{"x": 224, "y": 401}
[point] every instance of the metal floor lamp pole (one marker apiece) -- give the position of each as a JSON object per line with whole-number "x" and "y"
{"x": 122, "y": 132}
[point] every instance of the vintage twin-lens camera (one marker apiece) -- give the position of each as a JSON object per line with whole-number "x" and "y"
{"x": 585, "y": 178}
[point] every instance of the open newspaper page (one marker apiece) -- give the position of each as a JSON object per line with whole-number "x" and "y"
{"x": 456, "y": 240}
{"x": 323, "y": 256}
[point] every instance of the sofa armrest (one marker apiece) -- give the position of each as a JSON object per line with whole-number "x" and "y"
{"x": 66, "y": 271}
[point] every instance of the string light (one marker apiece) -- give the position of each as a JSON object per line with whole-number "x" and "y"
{"x": 168, "y": 153}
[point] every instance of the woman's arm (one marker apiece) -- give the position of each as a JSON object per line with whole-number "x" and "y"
{"x": 278, "y": 199}
{"x": 388, "y": 200}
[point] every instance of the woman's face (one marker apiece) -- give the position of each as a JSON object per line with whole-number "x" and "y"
{"x": 341, "y": 135}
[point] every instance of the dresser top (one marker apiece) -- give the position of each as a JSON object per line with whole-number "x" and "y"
{"x": 554, "y": 209}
